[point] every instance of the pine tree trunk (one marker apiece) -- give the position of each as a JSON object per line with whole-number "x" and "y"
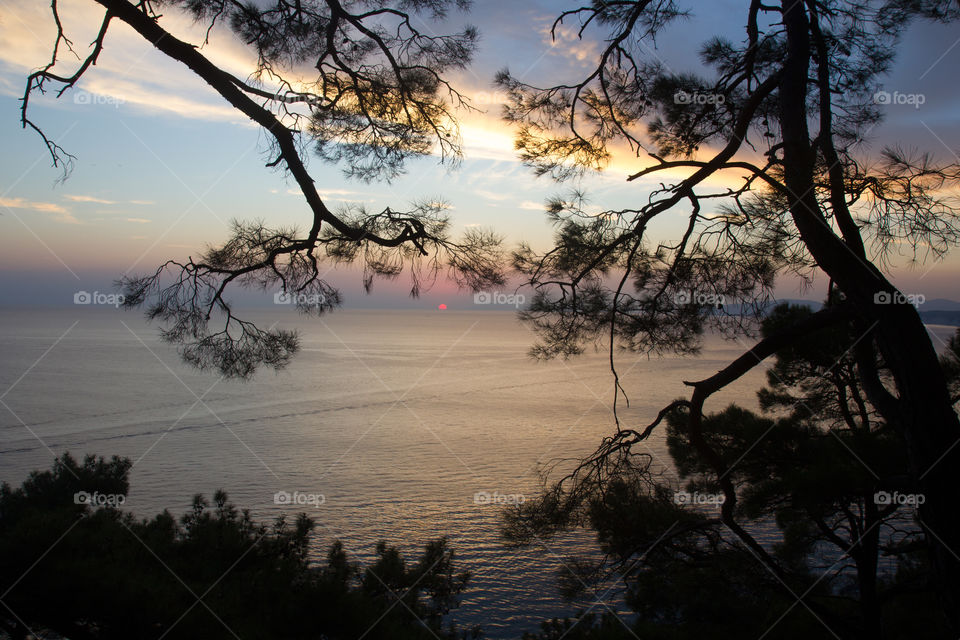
{"x": 866, "y": 559}
{"x": 923, "y": 409}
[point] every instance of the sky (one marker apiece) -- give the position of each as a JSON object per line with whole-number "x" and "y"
{"x": 164, "y": 164}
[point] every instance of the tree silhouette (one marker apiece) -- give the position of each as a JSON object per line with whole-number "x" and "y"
{"x": 783, "y": 110}
{"x": 91, "y": 570}
{"x": 822, "y": 468}
{"x": 377, "y": 97}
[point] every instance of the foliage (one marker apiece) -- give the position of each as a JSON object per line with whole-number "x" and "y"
{"x": 89, "y": 571}
{"x": 842, "y": 559}
{"x": 360, "y": 84}
{"x": 759, "y": 152}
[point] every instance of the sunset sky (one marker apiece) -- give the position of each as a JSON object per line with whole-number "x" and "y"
{"x": 163, "y": 164}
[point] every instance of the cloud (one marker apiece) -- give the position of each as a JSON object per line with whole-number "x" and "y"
{"x": 567, "y": 43}
{"x": 486, "y": 136}
{"x": 138, "y": 220}
{"x": 20, "y": 203}
{"x": 329, "y": 193}
{"x": 493, "y": 195}
{"x": 338, "y": 194}
{"x": 158, "y": 97}
{"x": 75, "y": 198}
{"x": 532, "y": 206}
{"x": 131, "y": 74}
{"x": 128, "y": 71}
{"x": 61, "y": 214}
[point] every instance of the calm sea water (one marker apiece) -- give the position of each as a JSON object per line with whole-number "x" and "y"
{"x": 398, "y": 418}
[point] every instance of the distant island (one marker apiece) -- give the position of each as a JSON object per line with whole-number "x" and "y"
{"x": 937, "y": 311}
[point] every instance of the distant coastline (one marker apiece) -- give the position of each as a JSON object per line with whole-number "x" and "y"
{"x": 939, "y": 311}
{"x": 944, "y": 318}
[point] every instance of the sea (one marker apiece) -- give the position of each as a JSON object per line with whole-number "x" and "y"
{"x": 394, "y": 425}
